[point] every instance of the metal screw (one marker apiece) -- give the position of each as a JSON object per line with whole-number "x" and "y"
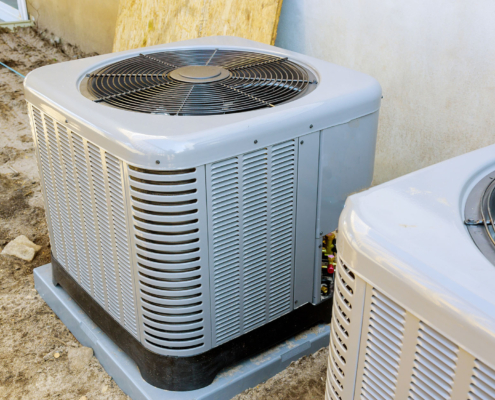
{"x": 157, "y": 161}
{"x": 255, "y": 141}
{"x": 321, "y": 232}
{"x": 302, "y": 141}
{"x": 310, "y": 126}
{"x": 295, "y": 302}
{"x": 319, "y": 246}
{"x": 66, "y": 121}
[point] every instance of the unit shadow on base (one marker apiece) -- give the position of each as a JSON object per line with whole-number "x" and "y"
{"x": 228, "y": 383}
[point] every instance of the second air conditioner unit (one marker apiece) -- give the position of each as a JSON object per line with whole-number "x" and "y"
{"x": 414, "y": 306}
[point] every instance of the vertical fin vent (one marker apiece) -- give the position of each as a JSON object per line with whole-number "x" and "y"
{"x": 114, "y": 174}
{"x": 89, "y": 227}
{"x": 254, "y": 231}
{"x": 282, "y": 228}
{"x": 434, "y": 365}
{"x": 383, "y": 348}
{"x": 107, "y": 256}
{"x": 482, "y": 382}
{"x": 169, "y": 216}
{"x": 83, "y": 189}
{"x": 45, "y": 166}
{"x": 80, "y": 256}
{"x": 225, "y": 225}
{"x": 342, "y": 317}
{"x": 252, "y": 199}
{"x": 62, "y": 195}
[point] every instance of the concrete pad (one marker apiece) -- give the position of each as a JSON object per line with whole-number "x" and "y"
{"x": 125, "y": 373}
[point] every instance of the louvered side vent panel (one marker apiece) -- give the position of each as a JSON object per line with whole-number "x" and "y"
{"x": 169, "y": 216}
{"x": 254, "y": 216}
{"x": 225, "y": 251}
{"x": 107, "y": 255}
{"x": 114, "y": 174}
{"x": 282, "y": 223}
{"x": 88, "y": 216}
{"x": 80, "y": 257}
{"x": 252, "y": 200}
{"x": 62, "y": 196}
{"x": 342, "y": 316}
{"x": 399, "y": 355}
{"x": 482, "y": 382}
{"x": 83, "y": 188}
{"x": 434, "y": 365}
{"x": 46, "y": 173}
{"x": 383, "y": 348}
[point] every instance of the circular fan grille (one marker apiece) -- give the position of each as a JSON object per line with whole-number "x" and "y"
{"x": 479, "y": 213}
{"x": 198, "y": 82}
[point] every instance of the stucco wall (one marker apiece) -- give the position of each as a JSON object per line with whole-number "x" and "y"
{"x": 435, "y": 60}
{"x": 90, "y": 24}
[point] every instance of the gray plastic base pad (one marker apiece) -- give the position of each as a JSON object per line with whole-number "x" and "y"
{"x": 125, "y": 373}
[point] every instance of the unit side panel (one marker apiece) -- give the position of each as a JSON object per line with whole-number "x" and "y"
{"x": 347, "y": 156}
{"x": 251, "y": 203}
{"x": 398, "y": 356}
{"x": 305, "y": 245}
{"x": 84, "y": 197}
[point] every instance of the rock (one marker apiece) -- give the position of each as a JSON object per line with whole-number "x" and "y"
{"x": 21, "y": 247}
{"x": 79, "y": 358}
{"x": 56, "y": 355}
{"x": 104, "y": 389}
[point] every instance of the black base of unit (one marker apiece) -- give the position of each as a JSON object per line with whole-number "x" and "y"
{"x": 192, "y": 372}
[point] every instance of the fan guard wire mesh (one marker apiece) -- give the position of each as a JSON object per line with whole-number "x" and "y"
{"x": 142, "y": 83}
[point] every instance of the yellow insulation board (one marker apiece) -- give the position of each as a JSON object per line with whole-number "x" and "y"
{"x": 143, "y": 23}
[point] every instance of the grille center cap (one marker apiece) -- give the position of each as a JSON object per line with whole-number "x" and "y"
{"x": 199, "y": 74}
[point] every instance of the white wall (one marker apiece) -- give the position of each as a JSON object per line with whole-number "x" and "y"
{"x": 435, "y": 60}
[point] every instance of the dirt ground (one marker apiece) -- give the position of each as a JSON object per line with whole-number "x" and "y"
{"x": 31, "y": 334}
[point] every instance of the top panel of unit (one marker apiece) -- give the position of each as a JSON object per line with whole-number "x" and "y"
{"x": 199, "y": 81}
{"x": 186, "y": 99}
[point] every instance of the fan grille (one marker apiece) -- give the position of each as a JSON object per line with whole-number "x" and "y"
{"x": 151, "y": 83}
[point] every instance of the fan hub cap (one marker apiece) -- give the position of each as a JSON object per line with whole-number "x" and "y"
{"x": 199, "y": 74}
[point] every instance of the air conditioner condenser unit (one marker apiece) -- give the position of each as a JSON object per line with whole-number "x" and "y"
{"x": 188, "y": 187}
{"x": 414, "y": 306}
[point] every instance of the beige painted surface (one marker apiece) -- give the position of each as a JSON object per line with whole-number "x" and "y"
{"x": 148, "y": 22}
{"x": 89, "y": 24}
{"x": 435, "y": 60}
